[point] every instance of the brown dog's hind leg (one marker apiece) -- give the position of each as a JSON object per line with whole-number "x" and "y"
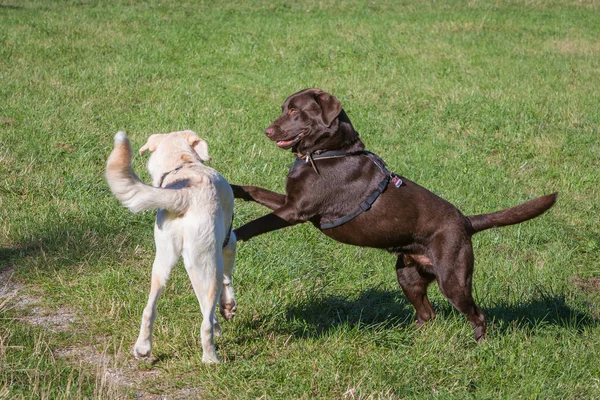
{"x": 454, "y": 273}
{"x": 414, "y": 285}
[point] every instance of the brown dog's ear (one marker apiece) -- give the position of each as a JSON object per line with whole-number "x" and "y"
{"x": 200, "y": 146}
{"x": 152, "y": 143}
{"x": 330, "y": 106}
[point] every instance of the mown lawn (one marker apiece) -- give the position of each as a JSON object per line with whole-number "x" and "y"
{"x": 485, "y": 103}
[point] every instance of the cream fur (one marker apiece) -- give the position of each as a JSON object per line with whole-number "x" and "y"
{"x": 195, "y": 208}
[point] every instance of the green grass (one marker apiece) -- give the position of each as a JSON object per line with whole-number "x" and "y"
{"x": 485, "y": 103}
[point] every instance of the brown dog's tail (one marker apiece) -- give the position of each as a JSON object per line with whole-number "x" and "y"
{"x": 513, "y": 215}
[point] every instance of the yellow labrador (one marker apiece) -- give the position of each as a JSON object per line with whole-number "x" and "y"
{"x": 195, "y": 211}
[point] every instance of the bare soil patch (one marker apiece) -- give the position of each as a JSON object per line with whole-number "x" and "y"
{"x": 119, "y": 370}
{"x": 589, "y": 285}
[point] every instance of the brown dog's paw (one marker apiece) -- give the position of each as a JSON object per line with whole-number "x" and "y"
{"x": 480, "y": 334}
{"x": 240, "y": 193}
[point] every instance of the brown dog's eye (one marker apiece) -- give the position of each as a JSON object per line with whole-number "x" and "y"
{"x": 292, "y": 111}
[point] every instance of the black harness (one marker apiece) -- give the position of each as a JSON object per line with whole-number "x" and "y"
{"x": 365, "y": 205}
{"x": 228, "y": 236}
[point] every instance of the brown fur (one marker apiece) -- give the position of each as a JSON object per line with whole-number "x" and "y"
{"x": 431, "y": 236}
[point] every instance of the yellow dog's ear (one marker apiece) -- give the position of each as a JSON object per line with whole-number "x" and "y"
{"x": 152, "y": 143}
{"x": 199, "y": 145}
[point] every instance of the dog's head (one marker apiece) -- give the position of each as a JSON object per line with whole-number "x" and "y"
{"x": 310, "y": 121}
{"x": 171, "y": 150}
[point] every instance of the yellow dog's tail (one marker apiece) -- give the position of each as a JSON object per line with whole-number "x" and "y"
{"x": 131, "y": 191}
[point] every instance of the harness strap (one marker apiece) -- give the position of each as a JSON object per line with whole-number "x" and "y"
{"x": 228, "y": 236}
{"x": 174, "y": 170}
{"x": 365, "y": 205}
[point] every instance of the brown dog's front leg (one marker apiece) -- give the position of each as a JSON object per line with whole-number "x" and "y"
{"x": 259, "y": 195}
{"x": 280, "y": 218}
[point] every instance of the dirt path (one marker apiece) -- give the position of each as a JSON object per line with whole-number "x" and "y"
{"x": 117, "y": 374}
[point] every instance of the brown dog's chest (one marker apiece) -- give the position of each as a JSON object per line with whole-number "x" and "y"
{"x": 332, "y": 191}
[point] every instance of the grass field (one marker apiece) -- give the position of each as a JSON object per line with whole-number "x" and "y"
{"x": 487, "y": 104}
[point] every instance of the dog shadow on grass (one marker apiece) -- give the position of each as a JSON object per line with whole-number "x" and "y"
{"x": 74, "y": 243}
{"x": 381, "y": 309}
{"x": 543, "y": 311}
{"x": 372, "y": 309}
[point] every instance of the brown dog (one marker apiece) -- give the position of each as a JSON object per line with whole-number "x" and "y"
{"x": 351, "y": 197}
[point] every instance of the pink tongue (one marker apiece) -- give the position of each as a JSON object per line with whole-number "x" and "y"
{"x": 283, "y": 143}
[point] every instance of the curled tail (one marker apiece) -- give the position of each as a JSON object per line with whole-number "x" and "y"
{"x": 513, "y": 215}
{"x": 130, "y": 190}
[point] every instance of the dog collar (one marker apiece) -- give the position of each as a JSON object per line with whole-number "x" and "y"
{"x": 311, "y": 157}
{"x": 174, "y": 170}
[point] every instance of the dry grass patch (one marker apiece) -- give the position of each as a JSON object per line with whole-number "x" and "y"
{"x": 117, "y": 373}
{"x": 576, "y": 47}
{"x": 591, "y": 284}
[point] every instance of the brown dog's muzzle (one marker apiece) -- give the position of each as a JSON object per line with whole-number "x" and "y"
{"x": 270, "y": 132}
{"x": 275, "y": 133}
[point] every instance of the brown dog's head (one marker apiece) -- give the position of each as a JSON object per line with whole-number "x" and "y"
{"x": 312, "y": 120}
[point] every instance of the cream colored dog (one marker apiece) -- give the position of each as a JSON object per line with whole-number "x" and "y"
{"x": 194, "y": 221}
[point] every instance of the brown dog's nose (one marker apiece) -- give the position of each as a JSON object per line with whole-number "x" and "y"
{"x": 269, "y": 131}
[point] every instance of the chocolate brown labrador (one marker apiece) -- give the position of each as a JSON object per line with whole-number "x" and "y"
{"x": 348, "y": 193}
